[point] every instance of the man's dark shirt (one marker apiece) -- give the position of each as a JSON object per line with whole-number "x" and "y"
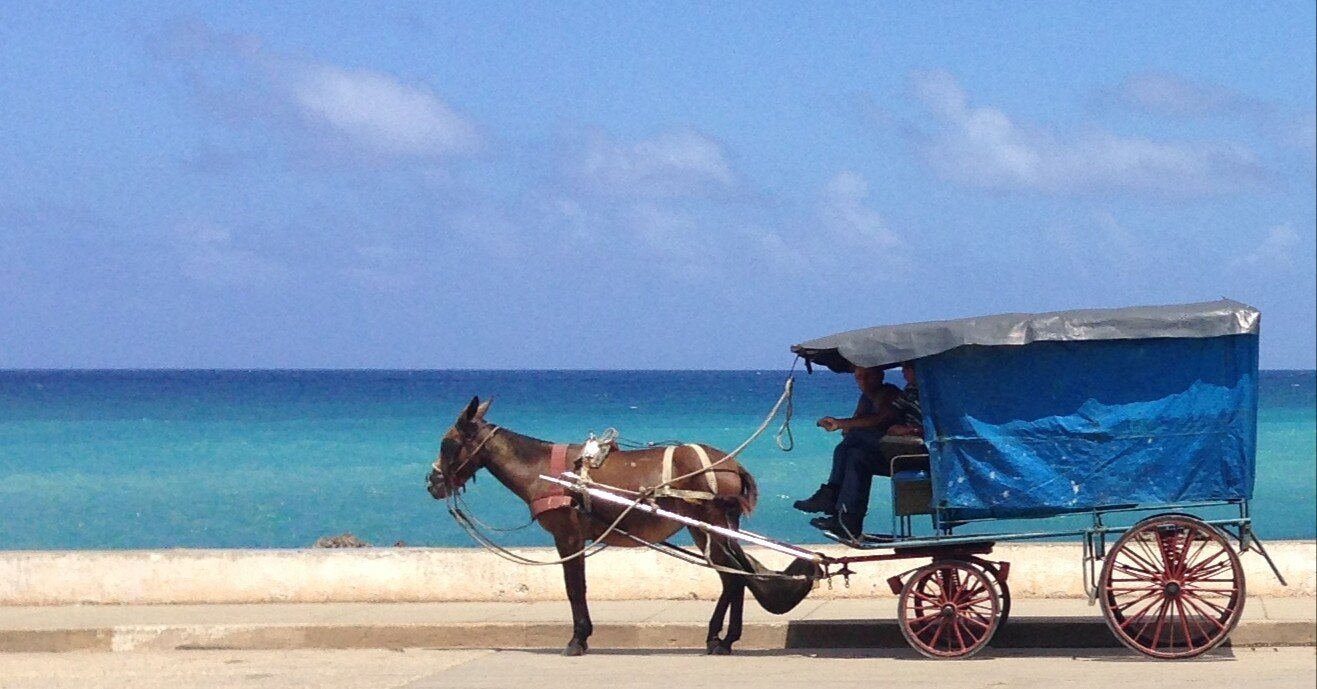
{"x": 907, "y": 405}
{"x": 864, "y": 407}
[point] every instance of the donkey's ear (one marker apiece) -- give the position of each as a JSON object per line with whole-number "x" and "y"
{"x": 484, "y": 407}
{"x": 469, "y": 414}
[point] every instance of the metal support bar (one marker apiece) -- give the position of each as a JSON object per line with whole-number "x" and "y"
{"x": 575, "y": 483}
{"x": 1246, "y": 533}
{"x": 1112, "y": 509}
{"x": 1089, "y": 566}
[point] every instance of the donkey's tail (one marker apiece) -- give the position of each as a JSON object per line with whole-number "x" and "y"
{"x": 749, "y": 496}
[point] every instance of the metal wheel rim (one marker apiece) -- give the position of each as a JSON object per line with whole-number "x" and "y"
{"x": 1003, "y": 590}
{"x": 1172, "y": 587}
{"x": 949, "y": 609}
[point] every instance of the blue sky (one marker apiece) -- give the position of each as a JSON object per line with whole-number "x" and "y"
{"x": 635, "y": 185}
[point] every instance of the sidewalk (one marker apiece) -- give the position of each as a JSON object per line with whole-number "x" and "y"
{"x": 837, "y": 623}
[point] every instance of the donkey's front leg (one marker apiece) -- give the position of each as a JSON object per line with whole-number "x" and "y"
{"x": 733, "y": 596}
{"x": 573, "y": 572}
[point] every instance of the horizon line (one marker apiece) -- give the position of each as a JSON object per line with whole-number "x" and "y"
{"x": 259, "y": 369}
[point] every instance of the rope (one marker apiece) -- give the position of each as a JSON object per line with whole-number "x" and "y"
{"x": 785, "y": 429}
{"x": 465, "y": 522}
{"x": 785, "y": 398}
{"x": 490, "y": 527}
{"x": 585, "y": 551}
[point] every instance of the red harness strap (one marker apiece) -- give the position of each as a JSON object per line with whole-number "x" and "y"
{"x": 557, "y": 496}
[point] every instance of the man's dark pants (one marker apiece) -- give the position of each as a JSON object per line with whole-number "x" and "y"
{"x": 862, "y": 454}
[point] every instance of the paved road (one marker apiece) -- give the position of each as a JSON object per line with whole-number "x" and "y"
{"x": 1262, "y": 668}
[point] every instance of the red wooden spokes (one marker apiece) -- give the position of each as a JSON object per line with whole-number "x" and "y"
{"x": 949, "y": 609}
{"x": 1172, "y": 587}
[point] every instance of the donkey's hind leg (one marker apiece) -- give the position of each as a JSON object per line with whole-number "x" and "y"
{"x": 713, "y": 642}
{"x": 734, "y": 598}
{"x": 731, "y": 600}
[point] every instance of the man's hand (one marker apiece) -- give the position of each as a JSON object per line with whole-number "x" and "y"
{"x": 829, "y": 424}
{"x": 905, "y": 429}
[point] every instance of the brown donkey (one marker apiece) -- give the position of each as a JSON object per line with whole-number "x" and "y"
{"x": 517, "y": 461}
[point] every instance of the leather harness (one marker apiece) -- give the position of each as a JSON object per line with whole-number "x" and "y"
{"x": 557, "y": 495}
{"x": 667, "y": 491}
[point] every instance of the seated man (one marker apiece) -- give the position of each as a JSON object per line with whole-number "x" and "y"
{"x": 862, "y": 432}
{"x": 889, "y": 425}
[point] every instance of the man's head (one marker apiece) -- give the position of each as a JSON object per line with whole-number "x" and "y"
{"x": 867, "y": 378}
{"x": 908, "y": 370}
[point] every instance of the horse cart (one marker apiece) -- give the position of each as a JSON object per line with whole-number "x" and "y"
{"x": 1136, "y": 427}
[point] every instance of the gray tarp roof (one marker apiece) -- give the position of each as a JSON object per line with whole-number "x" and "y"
{"x": 887, "y": 345}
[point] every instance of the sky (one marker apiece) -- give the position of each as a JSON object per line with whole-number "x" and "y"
{"x": 631, "y": 185}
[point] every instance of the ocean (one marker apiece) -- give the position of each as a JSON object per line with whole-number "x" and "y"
{"x": 277, "y": 459}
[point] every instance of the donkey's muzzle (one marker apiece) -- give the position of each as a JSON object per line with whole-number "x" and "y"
{"x": 435, "y": 484}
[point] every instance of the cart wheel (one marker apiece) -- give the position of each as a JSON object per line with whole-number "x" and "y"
{"x": 1003, "y": 591}
{"x": 949, "y": 609}
{"x": 1172, "y": 587}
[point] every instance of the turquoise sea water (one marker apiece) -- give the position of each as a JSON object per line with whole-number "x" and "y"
{"x": 102, "y": 459}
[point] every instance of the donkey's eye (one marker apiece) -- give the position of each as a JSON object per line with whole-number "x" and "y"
{"x": 448, "y": 447}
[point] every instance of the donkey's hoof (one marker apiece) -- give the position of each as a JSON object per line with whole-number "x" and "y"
{"x": 575, "y": 648}
{"x": 718, "y": 648}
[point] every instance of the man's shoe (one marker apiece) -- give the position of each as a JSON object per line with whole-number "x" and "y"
{"x": 823, "y": 500}
{"x": 827, "y": 523}
{"x": 848, "y": 527}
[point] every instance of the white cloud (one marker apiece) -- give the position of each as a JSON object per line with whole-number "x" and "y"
{"x": 983, "y": 147}
{"x": 671, "y": 164}
{"x": 1096, "y": 244}
{"x": 778, "y": 254}
{"x": 367, "y": 113}
{"x": 846, "y": 214}
{"x": 669, "y": 232}
{"x": 841, "y": 234}
{"x": 664, "y": 200}
{"x": 1171, "y": 95}
{"x": 207, "y": 253}
{"x": 1275, "y": 252}
{"x": 380, "y": 114}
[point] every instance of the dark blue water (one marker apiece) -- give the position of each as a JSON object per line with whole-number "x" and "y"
{"x": 102, "y": 459}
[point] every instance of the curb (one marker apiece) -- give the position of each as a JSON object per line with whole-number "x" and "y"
{"x": 1037, "y": 632}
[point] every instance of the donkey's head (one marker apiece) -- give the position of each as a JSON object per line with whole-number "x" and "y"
{"x": 459, "y": 451}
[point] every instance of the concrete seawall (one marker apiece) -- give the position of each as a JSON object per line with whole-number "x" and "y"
{"x": 136, "y": 577}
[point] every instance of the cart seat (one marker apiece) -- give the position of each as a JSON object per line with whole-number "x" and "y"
{"x": 911, "y": 475}
{"x": 912, "y": 491}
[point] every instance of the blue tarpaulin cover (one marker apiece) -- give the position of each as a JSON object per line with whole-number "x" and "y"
{"x": 1054, "y": 427}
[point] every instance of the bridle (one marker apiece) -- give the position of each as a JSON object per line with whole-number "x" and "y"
{"x": 466, "y": 457}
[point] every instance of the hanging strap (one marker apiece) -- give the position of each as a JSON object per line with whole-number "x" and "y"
{"x": 665, "y": 490}
{"x": 557, "y": 496}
